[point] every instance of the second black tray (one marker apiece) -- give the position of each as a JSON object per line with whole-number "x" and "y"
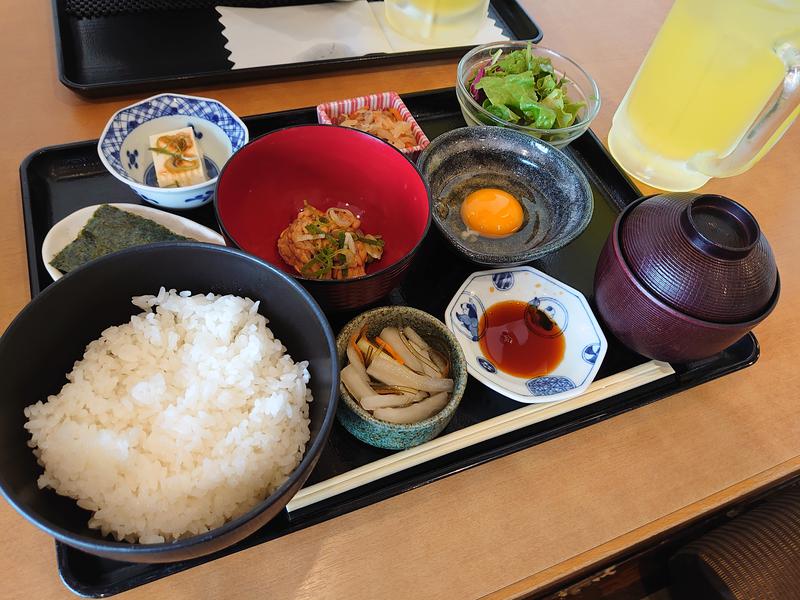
{"x": 58, "y": 180}
{"x": 105, "y": 48}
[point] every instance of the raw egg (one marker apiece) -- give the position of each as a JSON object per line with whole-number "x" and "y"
{"x": 492, "y": 213}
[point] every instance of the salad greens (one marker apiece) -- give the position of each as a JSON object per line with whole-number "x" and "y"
{"x": 524, "y": 89}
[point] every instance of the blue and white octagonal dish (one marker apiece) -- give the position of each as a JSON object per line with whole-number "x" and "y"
{"x": 585, "y": 344}
{"x": 124, "y": 145}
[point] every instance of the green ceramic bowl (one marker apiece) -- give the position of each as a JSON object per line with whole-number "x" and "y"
{"x": 393, "y": 436}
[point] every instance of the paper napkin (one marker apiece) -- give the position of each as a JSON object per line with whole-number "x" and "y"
{"x": 280, "y": 35}
{"x": 291, "y": 34}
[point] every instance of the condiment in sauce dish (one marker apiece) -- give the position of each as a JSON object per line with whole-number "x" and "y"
{"x": 526, "y": 335}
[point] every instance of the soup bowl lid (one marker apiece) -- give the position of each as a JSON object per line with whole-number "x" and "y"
{"x": 702, "y": 254}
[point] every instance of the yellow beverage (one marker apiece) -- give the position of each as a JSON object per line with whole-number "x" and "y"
{"x": 437, "y": 21}
{"x": 709, "y": 74}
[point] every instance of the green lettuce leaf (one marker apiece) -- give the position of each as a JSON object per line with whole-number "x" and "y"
{"x": 523, "y": 88}
{"x": 508, "y": 90}
{"x": 513, "y": 64}
{"x": 540, "y": 64}
{"x": 546, "y": 85}
{"x": 538, "y": 115}
{"x": 573, "y": 107}
{"x": 555, "y": 100}
{"x": 502, "y": 111}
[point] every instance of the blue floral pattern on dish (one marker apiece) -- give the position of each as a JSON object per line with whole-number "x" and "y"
{"x": 197, "y": 133}
{"x": 143, "y": 197}
{"x": 467, "y": 314}
{"x": 204, "y": 196}
{"x": 164, "y": 105}
{"x": 547, "y": 386}
{"x": 503, "y": 281}
{"x": 133, "y": 163}
{"x": 468, "y": 317}
{"x": 486, "y": 365}
{"x": 590, "y": 353}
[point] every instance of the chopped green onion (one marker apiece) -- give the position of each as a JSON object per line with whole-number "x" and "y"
{"x": 373, "y": 241}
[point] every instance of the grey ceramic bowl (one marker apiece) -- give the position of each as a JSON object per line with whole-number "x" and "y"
{"x": 393, "y": 436}
{"x": 555, "y": 195}
{"x": 51, "y": 333}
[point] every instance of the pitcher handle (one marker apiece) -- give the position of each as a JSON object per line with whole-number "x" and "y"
{"x": 770, "y": 125}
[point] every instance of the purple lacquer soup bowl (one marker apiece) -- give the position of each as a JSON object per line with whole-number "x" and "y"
{"x": 645, "y": 321}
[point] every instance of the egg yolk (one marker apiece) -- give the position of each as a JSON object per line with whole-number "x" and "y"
{"x": 492, "y": 213}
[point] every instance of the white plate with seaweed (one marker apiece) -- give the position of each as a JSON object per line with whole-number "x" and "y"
{"x": 67, "y": 230}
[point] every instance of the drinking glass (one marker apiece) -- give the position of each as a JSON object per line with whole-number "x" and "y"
{"x": 437, "y": 21}
{"x": 718, "y": 87}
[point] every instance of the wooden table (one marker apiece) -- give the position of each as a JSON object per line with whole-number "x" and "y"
{"x": 516, "y": 523}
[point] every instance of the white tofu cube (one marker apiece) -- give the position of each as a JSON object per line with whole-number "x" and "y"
{"x": 177, "y": 158}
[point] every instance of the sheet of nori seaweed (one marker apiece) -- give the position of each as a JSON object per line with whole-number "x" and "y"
{"x": 108, "y": 230}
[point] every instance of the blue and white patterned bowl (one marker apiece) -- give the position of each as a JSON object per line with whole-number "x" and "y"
{"x": 123, "y": 145}
{"x": 585, "y": 343}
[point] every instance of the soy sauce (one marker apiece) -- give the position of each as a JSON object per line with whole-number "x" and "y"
{"x": 521, "y": 340}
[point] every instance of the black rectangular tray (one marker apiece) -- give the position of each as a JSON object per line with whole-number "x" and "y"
{"x": 61, "y": 179}
{"x": 105, "y": 48}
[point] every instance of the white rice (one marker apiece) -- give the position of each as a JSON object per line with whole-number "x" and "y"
{"x": 173, "y": 423}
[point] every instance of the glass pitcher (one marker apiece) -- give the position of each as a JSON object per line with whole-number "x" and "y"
{"x": 719, "y": 86}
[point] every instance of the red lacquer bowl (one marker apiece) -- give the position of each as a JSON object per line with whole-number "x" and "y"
{"x": 265, "y": 184}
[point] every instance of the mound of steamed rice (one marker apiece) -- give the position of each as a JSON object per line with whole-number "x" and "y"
{"x": 185, "y": 417}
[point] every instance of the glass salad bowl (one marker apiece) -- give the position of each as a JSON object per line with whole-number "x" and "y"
{"x": 578, "y": 92}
